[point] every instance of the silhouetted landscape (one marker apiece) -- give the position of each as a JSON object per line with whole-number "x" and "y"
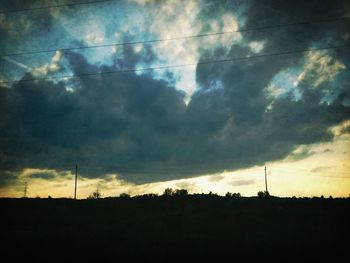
{"x": 168, "y": 227}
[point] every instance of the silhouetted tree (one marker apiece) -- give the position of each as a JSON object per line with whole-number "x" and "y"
{"x": 150, "y": 195}
{"x": 168, "y": 192}
{"x": 95, "y": 195}
{"x": 124, "y": 195}
{"x": 263, "y": 194}
{"x": 228, "y": 194}
{"x": 180, "y": 192}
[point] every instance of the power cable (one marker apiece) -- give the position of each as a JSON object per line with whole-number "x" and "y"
{"x": 178, "y": 65}
{"x": 30, "y": 52}
{"x": 52, "y": 6}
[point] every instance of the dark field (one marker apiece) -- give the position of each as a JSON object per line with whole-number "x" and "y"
{"x": 168, "y": 228}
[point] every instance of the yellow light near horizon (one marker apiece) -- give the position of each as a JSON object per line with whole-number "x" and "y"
{"x": 326, "y": 171}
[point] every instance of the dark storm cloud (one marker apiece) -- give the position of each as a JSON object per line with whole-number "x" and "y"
{"x": 141, "y": 128}
{"x": 124, "y": 121}
{"x": 14, "y": 26}
{"x": 255, "y": 134}
{"x": 270, "y": 12}
{"x": 7, "y": 178}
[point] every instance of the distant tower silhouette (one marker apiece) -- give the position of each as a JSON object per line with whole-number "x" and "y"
{"x": 25, "y": 190}
{"x": 76, "y": 179}
{"x": 265, "y": 181}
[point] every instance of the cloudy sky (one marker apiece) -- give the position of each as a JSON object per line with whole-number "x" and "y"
{"x": 201, "y": 95}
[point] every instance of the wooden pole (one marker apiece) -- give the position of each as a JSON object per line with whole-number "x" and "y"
{"x": 76, "y": 179}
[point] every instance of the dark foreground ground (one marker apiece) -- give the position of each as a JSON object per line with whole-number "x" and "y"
{"x": 169, "y": 228}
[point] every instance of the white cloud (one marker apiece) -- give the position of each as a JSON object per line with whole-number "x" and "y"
{"x": 227, "y": 23}
{"x": 320, "y": 67}
{"x": 138, "y": 48}
{"x": 114, "y": 50}
{"x": 94, "y": 38}
{"x": 256, "y": 46}
{"x": 230, "y": 22}
{"x": 160, "y": 20}
{"x": 281, "y": 84}
{"x": 214, "y": 26}
{"x": 274, "y": 91}
{"x": 178, "y": 19}
{"x": 51, "y": 67}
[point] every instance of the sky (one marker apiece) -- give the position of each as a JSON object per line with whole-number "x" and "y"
{"x": 200, "y": 95}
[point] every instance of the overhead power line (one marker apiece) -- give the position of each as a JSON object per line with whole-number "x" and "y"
{"x": 310, "y": 22}
{"x": 52, "y": 6}
{"x": 178, "y": 65}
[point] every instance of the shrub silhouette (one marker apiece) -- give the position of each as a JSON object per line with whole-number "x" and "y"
{"x": 151, "y": 195}
{"x": 177, "y": 192}
{"x": 262, "y": 194}
{"x": 95, "y": 195}
{"x": 228, "y": 194}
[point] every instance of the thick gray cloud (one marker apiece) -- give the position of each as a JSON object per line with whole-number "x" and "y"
{"x": 116, "y": 122}
{"x": 257, "y": 134}
{"x": 242, "y": 182}
{"x": 7, "y": 178}
{"x": 15, "y": 26}
{"x": 140, "y": 127}
{"x": 42, "y": 175}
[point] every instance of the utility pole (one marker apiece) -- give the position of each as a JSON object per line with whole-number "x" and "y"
{"x": 76, "y": 179}
{"x": 25, "y": 190}
{"x": 265, "y": 181}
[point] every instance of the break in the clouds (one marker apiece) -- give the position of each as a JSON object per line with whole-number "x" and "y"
{"x": 149, "y": 126}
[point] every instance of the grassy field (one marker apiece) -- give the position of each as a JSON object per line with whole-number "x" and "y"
{"x": 168, "y": 228}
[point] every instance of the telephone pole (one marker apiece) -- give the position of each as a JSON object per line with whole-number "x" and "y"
{"x": 76, "y": 179}
{"x": 25, "y": 190}
{"x": 265, "y": 181}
